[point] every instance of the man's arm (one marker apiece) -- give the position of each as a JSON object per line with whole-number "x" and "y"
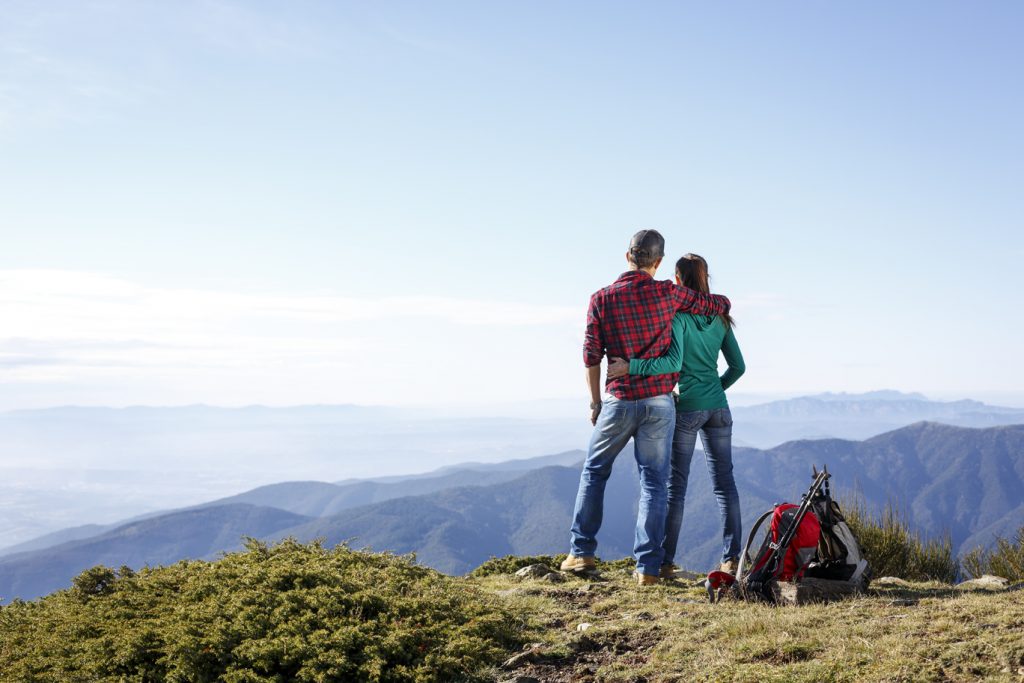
{"x": 593, "y": 337}
{"x": 691, "y": 301}
{"x": 594, "y": 385}
{"x": 593, "y": 353}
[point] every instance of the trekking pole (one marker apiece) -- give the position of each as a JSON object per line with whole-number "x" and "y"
{"x": 801, "y": 511}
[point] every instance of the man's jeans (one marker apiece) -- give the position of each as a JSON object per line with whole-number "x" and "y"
{"x": 649, "y": 423}
{"x": 715, "y": 427}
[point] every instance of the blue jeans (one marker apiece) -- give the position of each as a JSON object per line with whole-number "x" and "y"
{"x": 715, "y": 427}
{"x": 649, "y": 423}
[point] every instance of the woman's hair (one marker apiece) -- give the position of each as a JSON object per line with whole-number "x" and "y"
{"x": 693, "y": 273}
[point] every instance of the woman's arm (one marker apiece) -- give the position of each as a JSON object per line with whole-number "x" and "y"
{"x": 671, "y": 362}
{"x": 731, "y": 351}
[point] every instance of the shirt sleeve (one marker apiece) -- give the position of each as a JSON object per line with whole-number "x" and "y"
{"x": 671, "y": 361}
{"x": 691, "y": 301}
{"x": 593, "y": 337}
{"x": 731, "y": 351}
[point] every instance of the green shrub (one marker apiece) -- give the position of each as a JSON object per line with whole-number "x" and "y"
{"x": 509, "y": 564}
{"x": 623, "y": 564}
{"x": 512, "y": 563}
{"x": 291, "y": 612}
{"x": 892, "y": 548}
{"x": 1006, "y": 559}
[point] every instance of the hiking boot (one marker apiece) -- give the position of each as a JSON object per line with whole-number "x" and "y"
{"x": 646, "y": 579}
{"x": 668, "y": 571}
{"x": 730, "y": 566}
{"x": 578, "y": 565}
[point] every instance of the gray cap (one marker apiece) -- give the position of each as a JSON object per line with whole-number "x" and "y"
{"x": 647, "y": 244}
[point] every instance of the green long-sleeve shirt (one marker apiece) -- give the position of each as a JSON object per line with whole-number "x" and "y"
{"x": 696, "y": 341}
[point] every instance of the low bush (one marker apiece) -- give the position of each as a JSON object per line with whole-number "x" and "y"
{"x": 893, "y": 548}
{"x": 291, "y": 612}
{"x": 509, "y": 564}
{"x": 1005, "y": 559}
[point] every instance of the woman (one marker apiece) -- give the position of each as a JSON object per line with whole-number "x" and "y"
{"x": 701, "y": 407}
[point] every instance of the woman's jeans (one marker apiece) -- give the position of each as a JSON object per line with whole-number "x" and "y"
{"x": 715, "y": 427}
{"x": 648, "y": 422}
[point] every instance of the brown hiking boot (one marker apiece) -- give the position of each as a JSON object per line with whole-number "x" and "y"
{"x": 646, "y": 579}
{"x": 578, "y": 565}
{"x": 668, "y": 571}
{"x": 730, "y": 566}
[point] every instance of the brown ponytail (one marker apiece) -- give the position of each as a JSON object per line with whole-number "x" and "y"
{"x": 692, "y": 271}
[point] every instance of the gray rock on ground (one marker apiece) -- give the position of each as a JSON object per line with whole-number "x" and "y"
{"x": 529, "y": 654}
{"x": 987, "y": 582}
{"x": 535, "y": 571}
{"x": 892, "y": 581}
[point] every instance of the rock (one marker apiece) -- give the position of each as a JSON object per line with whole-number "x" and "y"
{"x": 986, "y": 582}
{"x": 902, "y": 602}
{"x": 583, "y": 627}
{"x": 891, "y": 581}
{"x": 553, "y": 577}
{"x": 643, "y": 616}
{"x": 811, "y": 589}
{"x": 529, "y": 654}
{"x": 535, "y": 571}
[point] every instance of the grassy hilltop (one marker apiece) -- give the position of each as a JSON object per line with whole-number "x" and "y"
{"x": 904, "y": 631}
{"x": 298, "y": 612}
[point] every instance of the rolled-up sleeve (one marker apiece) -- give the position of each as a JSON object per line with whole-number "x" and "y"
{"x": 690, "y": 301}
{"x": 593, "y": 339}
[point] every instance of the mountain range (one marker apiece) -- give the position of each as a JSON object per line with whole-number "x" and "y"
{"x": 967, "y": 482}
{"x": 857, "y": 416}
{"x": 67, "y": 466}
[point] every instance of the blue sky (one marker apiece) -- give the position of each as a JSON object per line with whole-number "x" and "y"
{"x": 254, "y": 202}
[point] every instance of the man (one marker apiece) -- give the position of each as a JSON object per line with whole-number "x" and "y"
{"x": 632, "y": 318}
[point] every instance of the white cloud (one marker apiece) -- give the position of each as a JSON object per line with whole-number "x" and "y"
{"x": 79, "y": 332}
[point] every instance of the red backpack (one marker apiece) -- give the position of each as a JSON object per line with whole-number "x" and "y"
{"x": 790, "y": 544}
{"x": 804, "y": 545}
{"x": 812, "y": 533}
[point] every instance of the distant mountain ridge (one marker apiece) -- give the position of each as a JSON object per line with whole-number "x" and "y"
{"x": 196, "y": 533}
{"x": 65, "y": 466}
{"x": 857, "y": 416}
{"x": 880, "y": 395}
{"x": 810, "y": 406}
{"x": 969, "y": 481}
{"x": 317, "y": 498}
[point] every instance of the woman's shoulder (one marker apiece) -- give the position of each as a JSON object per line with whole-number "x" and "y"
{"x": 702, "y": 323}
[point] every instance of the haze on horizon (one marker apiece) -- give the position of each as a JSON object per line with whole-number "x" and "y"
{"x": 236, "y": 203}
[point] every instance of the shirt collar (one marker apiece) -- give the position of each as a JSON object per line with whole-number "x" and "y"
{"x": 634, "y": 275}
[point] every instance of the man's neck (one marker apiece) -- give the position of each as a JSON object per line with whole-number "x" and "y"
{"x": 649, "y": 271}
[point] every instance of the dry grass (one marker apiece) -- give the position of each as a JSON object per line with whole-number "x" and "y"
{"x": 894, "y": 548}
{"x": 1005, "y": 559}
{"x": 925, "y": 632}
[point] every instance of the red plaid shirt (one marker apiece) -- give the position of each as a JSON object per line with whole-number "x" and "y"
{"x": 632, "y": 318}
